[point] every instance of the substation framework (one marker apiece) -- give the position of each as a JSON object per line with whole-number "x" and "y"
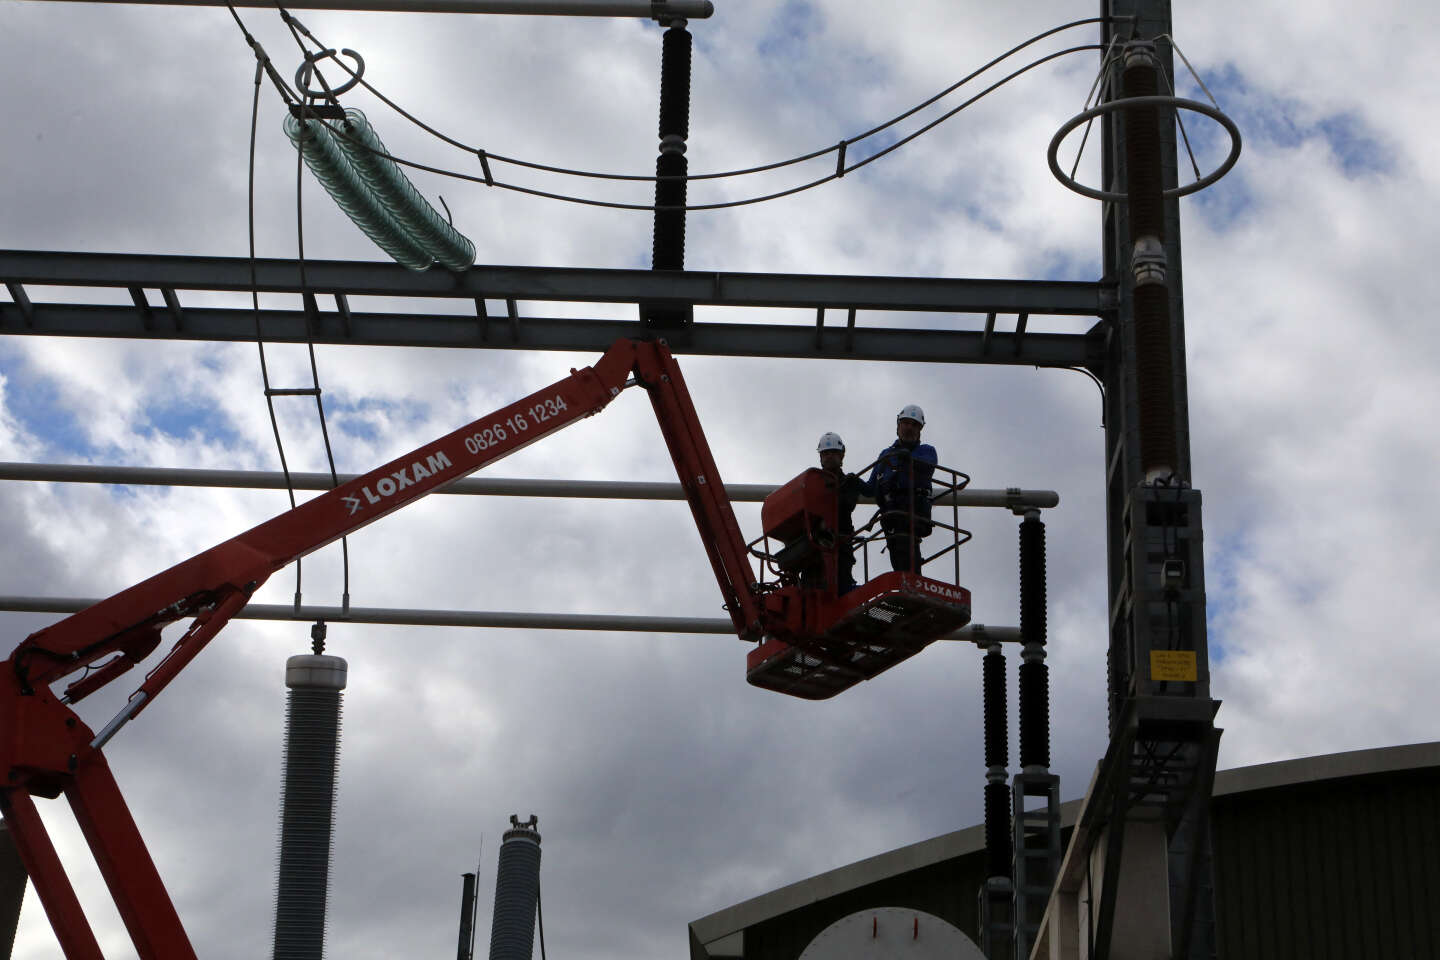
{"x": 1150, "y": 798}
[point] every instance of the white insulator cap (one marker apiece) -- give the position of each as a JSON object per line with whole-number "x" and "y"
{"x": 315, "y": 672}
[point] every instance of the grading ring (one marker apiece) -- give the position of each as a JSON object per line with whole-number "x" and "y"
{"x": 1110, "y": 107}
{"x": 303, "y": 72}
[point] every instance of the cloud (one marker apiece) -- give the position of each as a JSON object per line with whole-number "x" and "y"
{"x": 666, "y": 787}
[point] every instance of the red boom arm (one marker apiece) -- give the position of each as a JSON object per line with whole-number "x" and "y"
{"x": 45, "y": 748}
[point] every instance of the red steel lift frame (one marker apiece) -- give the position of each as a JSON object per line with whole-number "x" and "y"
{"x": 45, "y": 749}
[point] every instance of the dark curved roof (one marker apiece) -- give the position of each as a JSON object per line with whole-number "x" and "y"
{"x": 1272, "y": 812}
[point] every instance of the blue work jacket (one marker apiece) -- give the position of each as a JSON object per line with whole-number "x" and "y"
{"x": 898, "y": 470}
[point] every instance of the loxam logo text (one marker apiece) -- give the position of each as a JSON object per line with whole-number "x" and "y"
{"x": 398, "y": 480}
{"x": 941, "y": 590}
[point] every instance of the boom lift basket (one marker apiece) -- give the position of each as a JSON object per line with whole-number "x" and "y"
{"x": 823, "y": 641}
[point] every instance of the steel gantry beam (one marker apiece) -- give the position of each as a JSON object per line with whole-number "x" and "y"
{"x": 647, "y": 9}
{"x": 414, "y": 315}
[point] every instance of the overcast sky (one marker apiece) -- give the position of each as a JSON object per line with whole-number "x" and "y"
{"x": 666, "y": 787}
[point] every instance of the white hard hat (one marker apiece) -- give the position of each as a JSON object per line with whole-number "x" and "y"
{"x": 911, "y": 412}
{"x": 830, "y": 441}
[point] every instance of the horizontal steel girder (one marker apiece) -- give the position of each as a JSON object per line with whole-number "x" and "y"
{"x": 577, "y": 285}
{"x": 842, "y": 337}
{"x": 543, "y": 333}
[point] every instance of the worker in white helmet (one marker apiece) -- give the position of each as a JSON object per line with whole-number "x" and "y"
{"x": 900, "y": 484}
{"x": 832, "y": 460}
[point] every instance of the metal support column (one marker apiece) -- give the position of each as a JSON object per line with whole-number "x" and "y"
{"x": 1159, "y": 693}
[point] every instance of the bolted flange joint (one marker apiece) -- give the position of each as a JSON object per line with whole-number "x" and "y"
{"x": 1148, "y": 262}
{"x": 1139, "y": 53}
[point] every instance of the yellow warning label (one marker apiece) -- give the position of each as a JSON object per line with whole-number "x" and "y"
{"x": 1173, "y": 665}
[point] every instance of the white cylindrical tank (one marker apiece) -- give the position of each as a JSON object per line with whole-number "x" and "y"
{"x": 891, "y": 933}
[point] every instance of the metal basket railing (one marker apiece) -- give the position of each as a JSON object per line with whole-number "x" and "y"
{"x": 944, "y": 482}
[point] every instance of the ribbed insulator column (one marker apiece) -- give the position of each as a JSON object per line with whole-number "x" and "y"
{"x": 307, "y": 803}
{"x": 1140, "y": 78}
{"x": 467, "y": 918}
{"x": 997, "y": 757}
{"x": 1154, "y": 361}
{"x": 1034, "y": 674}
{"x": 671, "y": 166}
{"x": 517, "y": 892}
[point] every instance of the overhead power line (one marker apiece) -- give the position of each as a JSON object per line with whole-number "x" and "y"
{"x": 485, "y": 157}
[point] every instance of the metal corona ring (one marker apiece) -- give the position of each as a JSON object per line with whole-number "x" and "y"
{"x": 1110, "y": 107}
{"x": 307, "y": 68}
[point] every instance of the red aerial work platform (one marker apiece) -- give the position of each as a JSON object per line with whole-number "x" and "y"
{"x": 812, "y": 641}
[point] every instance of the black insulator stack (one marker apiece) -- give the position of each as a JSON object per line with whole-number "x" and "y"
{"x": 1142, "y": 150}
{"x": 466, "y": 950}
{"x": 1034, "y": 714}
{"x": 1155, "y": 382}
{"x": 1034, "y": 674}
{"x": 997, "y": 756}
{"x": 998, "y": 849}
{"x": 1159, "y": 448}
{"x": 997, "y": 746}
{"x": 671, "y": 167}
{"x": 307, "y": 804}
{"x": 517, "y": 893}
{"x": 1032, "y": 580}
{"x": 668, "y": 251}
{"x": 675, "y": 82}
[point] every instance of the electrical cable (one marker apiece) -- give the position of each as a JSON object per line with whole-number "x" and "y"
{"x": 843, "y": 144}
{"x": 261, "y": 67}
{"x": 1098, "y": 89}
{"x": 1170, "y": 83}
{"x": 255, "y": 290}
{"x": 308, "y": 298}
{"x": 617, "y": 205}
{"x": 1099, "y": 385}
{"x": 291, "y": 22}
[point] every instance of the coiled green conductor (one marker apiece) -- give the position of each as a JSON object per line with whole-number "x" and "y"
{"x": 375, "y": 193}
{"x": 329, "y": 165}
{"x": 421, "y": 222}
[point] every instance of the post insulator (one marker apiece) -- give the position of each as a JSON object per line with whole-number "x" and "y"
{"x": 1144, "y": 170}
{"x": 1032, "y": 580}
{"x": 1154, "y": 380}
{"x": 517, "y": 892}
{"x": 1034, "y": 714}
{"x": 307, "y": 803}
{"x": 998, "y": 842}
{"x": 997, "y": 748}
{"x": 1034, "y": 674}
{"x": 669, "y": 246}
{"x": 671, "y": 166}
{"x": 1141, "y": 78}
{"x": 675, "y": 82}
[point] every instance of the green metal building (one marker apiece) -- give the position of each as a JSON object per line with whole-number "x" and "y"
{"x": 1321, "y": 858}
